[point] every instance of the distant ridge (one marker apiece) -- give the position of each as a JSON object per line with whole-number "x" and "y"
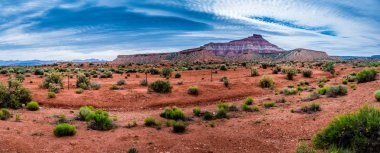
{"x": 254, "y": 47}
{"x": 42, "y": 62}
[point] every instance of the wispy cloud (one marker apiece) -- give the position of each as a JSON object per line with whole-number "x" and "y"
{"x": 102, "y": 29}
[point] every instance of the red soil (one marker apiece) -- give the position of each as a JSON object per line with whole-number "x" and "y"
{"x": 270, "y": 130}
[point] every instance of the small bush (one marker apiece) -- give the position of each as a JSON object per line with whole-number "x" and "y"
{"x": 95, "y": 86}
{"x": 193, "y": 90}
{"x": 51, "y": 95}
{"x": 53, "y": 80}
{"x": 322, "y": 91}
{"x": 83, "y": 82}
{"x": 4, "y": 114}
{"x": 144, "y": 82}
{"x": 177, "y": 75}
{"x": 377, "y": 95}
{"x": 64, "y": 129}
{"x": 312, "y": 96}
{"x": 120, "y": 82}
{"x": 314, "y": 107}
{"x": 197, "y": 111}
{"x": 344, "y": 81}
{"x": 132, "y": 150}
{"x": 336, "y": 91}
{"x": 79, "y": 91}
{"x": 33, "y": 106}
{"x": 329, "y": 67}
{"x": 358, "y": 132}
{"x": 307, "y": 73}
{"x": 85, "y": 113}
{"x": 305, "y": 148}
{"x": 150, "y": 121}
{"x": 208, "y": 116}
{"x": 160, "y": 86}
{"x": 166, "y": 72}
{"x": 221, "y": 113}
{"x": 289, "y": 91}
{"x": 173, "y": 113}
{"x": 223, "y": 68}
{"x": 248, "y": 108}
{"x": 254, "y": 72}
{"x": 366, "y": 75}
{"x": 179, "y": 127}
{"x": 266, "y": 82}
{"x": 268, "y": 104}
{"x": 99, "y": 120}
{"x": 248, "y": 101}
{"x": 290, "y": 72}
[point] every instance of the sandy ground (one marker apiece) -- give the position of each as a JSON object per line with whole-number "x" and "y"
{"x": 270, "y": 130}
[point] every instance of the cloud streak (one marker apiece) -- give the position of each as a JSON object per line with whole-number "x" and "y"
{"x": 64, "y": 30}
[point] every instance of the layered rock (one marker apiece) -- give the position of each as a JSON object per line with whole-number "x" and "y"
{"x": 251, "y": 48}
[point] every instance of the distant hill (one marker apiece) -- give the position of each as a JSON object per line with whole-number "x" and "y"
{"x": 41, "y": 62}
{"x": 254, "y": 47}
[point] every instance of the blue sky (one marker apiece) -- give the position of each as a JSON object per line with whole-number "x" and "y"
{"x": 73, "y": 29}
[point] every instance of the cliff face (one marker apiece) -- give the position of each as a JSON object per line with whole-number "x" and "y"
{"x": 251, "y": 48}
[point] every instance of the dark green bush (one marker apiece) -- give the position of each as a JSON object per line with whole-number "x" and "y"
{"x": 64, "y": 129}
{"x": 377, "y": 95}
{"x": 177, "y": 75}
{"x": 166, "y": 72}
{"x": 173, "y": 113}
{"x": 193, "y": 90}
{"x": 268, "y": 104}
{"x": 99, "y": 120}
{"x": 160, "y": 86}
{"x": 53, "y": 79}
{"x": 132, "y": 150}
{"x": 208, "y": 116}
{"x": 33, "y": 106}
{"x": 221, "y": 113}
{"x": 290, "y": 73}
{"x": 5, "y": 114}
{"x": 223, "y": 68}
{"x": 366, "y": 75}
{"x": 14, "y": 95}
{"x": 179, "y": 127}
{"x": 248, "y": 101}
{"x": 83, "y": 82}
{"x": 254, "y": 72}
{"x": 197, "y": 111}
{"x": 336, "y": 91}
{"x": 266, "y": 82}
{"x": 120, "y": 82}
{"x": 307, "y": 73}
{"x": 357, "y": 131}
{"x": 150, "y": 121}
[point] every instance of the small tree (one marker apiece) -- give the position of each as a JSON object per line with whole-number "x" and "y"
{"x": 166, "y": 72}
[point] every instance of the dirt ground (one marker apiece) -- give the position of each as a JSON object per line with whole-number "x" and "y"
{"x": 269, "y": 130}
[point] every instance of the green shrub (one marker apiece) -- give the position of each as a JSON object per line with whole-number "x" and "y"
{"x": 132, "y": 150}
{"x": 120, "y": 82}
{"x": 266, "y": 82}
{"x": 193, "y": 90}
{"x": 166, "y": 72}
{"x": 197, "y": 111}
{"x": 305, "y": 148}
{"x": 53, "y": 82}
{"x": 14, "y": 95}
{"x": 33, "y": 106}
{"x": 344, "y": 81}
{"x": 289, "y": 91}
{"x": 95, "y": 86}
{"x": 247, "y": 108}
{"x": 208, "y": 116}
{"x": 290, "y": 72}
{"x": 4, "y": 114}
{"x": 336, "y": 91}
{"x": 377, "y": 95}
{"x": 39, "y": 72}
{"x": 268, "y": 104}
{"x": 366, "y": 75}
{"x": 79, "y": 91}
{"x": 357, "y": 131}
{"x": 179, "y": 127}
{"x": 314, "y": 107}
{"x": 248, "y": 101}
{"x": 177, "y": 75}
{"x": 221, "y": 113}
{"x": 150, "y": 121}
{"x": 82, "y": 82}
{"x": 160, "y": 86}
{"x": 254, "y": 72}
{"x": 307, "y": 73}
{"x": 173, "y": 113}
{"x": 329, "y": 67}
{"x": 99, "y": 120}
{"x": 256, "y": 108}
{"x": 322, "y": 91}
{"x": 312, "y": 96}
{"x": 223, "y": 68}
{"x": 64, "y": 129}
{"x": 85, "y": 113}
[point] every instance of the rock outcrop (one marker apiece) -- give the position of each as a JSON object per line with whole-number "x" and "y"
{"x": 251, "y": 48}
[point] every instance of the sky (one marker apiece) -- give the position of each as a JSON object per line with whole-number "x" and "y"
{"x": 103, "y": 29}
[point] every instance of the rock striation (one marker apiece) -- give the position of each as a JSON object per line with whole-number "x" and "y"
{"x": 251, "y": 48}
